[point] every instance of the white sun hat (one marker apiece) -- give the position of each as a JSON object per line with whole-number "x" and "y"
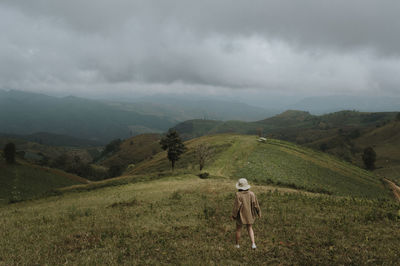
{"x": 242, "y": 184}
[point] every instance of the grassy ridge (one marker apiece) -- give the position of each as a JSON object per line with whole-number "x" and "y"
{"x": 275, "y": 162}
{"x": 184, "y": 220}
{"x": 159, "y": 163}
{"x": 289, "y": 125}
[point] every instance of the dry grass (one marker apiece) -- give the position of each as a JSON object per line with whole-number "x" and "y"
{"x": 185, "y": 220}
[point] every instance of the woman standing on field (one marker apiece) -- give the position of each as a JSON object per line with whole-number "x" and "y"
{"x": 245, "y": 210}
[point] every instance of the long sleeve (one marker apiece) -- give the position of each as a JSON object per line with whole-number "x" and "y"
{"x": 256, "y": 207}
{"x": 236, "y": 206}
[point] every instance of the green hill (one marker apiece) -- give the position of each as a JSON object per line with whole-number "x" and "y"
{"x": 384, "y": 139}
{"x": 134, "y": 150}
{"x": 274, "y": 162}
{"x": 386, "y": 142}
{"x": 23, "y": 181}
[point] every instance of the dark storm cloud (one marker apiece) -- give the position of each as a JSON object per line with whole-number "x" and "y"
{"x": 301, "y": 46}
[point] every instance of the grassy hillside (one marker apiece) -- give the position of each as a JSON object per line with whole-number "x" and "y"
{"x": 275, "y": 162}
{"x": 386, "y": 142}
{"x": 134, "y": 150}
{"x": 25, "y": 181}
{"x": 185, "y": 220}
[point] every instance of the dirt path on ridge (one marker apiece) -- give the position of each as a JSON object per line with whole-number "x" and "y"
{"x": 395, "y": 188}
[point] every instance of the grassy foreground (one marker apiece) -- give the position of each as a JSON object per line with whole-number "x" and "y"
{"x": 185, "y": 220}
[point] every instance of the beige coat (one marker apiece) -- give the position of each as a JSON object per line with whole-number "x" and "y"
{"x": 246, "y": 207}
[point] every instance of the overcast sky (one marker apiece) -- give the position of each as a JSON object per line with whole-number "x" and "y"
{"x": 131, "y": 47}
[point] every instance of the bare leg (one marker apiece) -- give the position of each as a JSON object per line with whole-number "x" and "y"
{"x": 238, "y": 231}
{"x": 251, "y": 233}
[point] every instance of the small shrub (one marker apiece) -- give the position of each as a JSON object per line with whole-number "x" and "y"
{"x": 209, "y": 212}
{"x": 115, "y": 170}
{"x": 269, "y": 181}
{"x": 355, "y": 134}
{"x": 112, "y": 147}
{"x": 323, "y": 147}
{"x": 73, "y": 212}
{"x": 176, "y": 195}
{"x": 130, "y": 167}
{"x": 204, "y": 175}
{"x": 129, "y": 203}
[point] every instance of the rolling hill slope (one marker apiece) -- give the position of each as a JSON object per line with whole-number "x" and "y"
{"x": 275, "y": 162}
{"x": 23, "y": 181}
{"x": 386, "y": 142}
{"x": 134, "y": 150}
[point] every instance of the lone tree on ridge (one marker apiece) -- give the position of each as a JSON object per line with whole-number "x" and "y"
{"x": 9, "y": 152}
{"x": 174, "y": 146}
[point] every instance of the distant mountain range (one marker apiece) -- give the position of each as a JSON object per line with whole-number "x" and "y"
{"x": 185, "y": 107}
{"x": 25, "y": 113}
{"x": 28, "y": 113}
{"x": 288, "y": 125}
{"x": 334, "y": 103}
